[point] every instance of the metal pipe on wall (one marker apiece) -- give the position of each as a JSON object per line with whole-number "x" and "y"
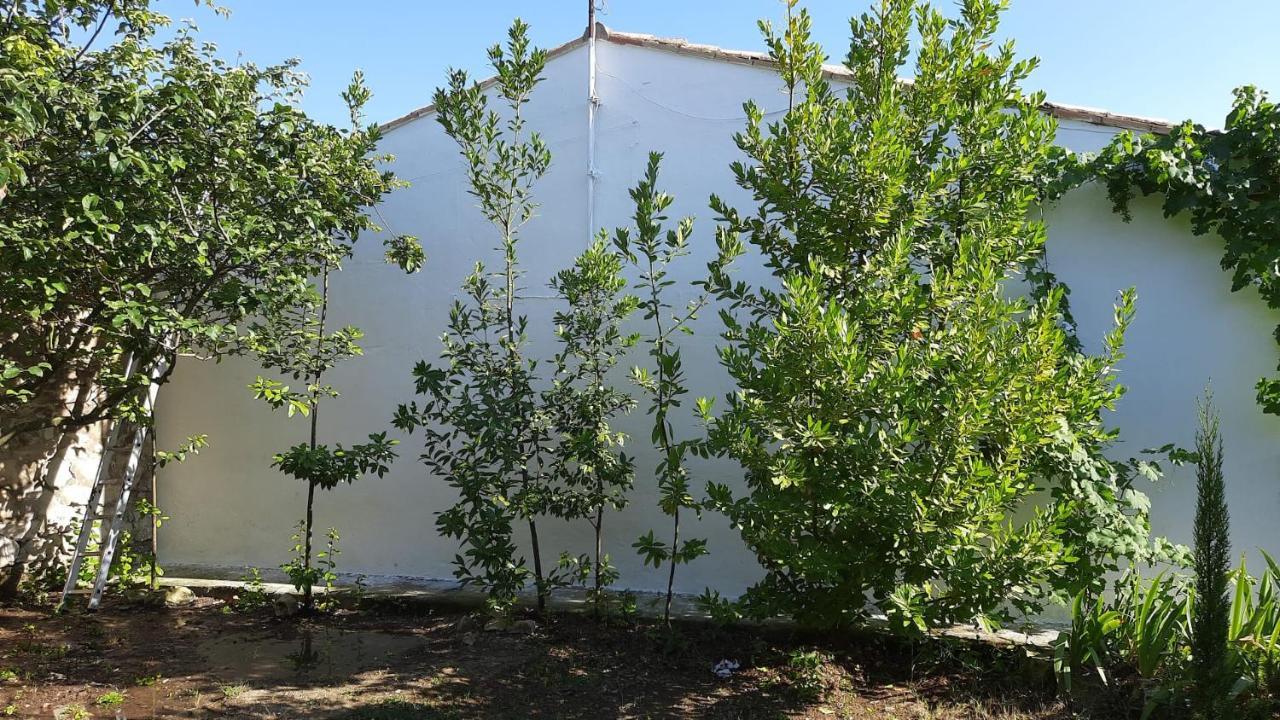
{"x": 592, "y": 103}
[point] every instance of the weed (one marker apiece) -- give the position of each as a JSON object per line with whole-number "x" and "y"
{"x": 359, "y": 590}
{"x": 71, "y": 712}
{"x": 804, "y": 674}
{"x": 253, "y": 595}
{"x": 232, "y": 692}
{"x": 111, "y": 698}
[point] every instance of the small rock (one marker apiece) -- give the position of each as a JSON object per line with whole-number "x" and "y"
{"x": 469, "y": 639}
{"x": 179, "y": 596}
{"x": 285, "y": 606}
{"x": 466, "y": 624}
{"x": 507, "y": 625}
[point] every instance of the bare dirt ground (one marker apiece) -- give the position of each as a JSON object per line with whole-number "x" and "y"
{"x": 390, "y": 664}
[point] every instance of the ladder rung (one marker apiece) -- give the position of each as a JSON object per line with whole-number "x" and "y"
{"x": 80, "y": 591}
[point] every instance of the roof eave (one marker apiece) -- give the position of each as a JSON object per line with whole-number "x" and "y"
{"x": 1092, "y": 116}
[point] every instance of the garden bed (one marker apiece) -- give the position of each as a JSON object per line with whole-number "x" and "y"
{"x": 207, "y": 661}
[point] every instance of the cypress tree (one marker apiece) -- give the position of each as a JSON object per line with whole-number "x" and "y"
{"x": 1212, "y": 607}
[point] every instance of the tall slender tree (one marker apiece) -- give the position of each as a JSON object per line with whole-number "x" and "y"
{"x": 485, "y": 432}
{"x": 1211, "y": 608}
{"x": 302, "y": 349}
{"x": 651, "y": 247}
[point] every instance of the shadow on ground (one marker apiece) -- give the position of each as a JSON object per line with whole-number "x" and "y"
{"x": 208, "y": 662}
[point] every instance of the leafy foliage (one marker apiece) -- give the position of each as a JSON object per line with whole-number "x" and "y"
{"x": 1227, "y": 182}
{"x": 486, "y": 434}
{"x": 326, "y": 467}
{"x": 150, "y": 191}
{"x": 591, "y": 472}
{"x": 895, "y": 406}
{"x": 651, "y": 248}
{"x": 305, "y": 574}
{"x": 1141, "y": 644}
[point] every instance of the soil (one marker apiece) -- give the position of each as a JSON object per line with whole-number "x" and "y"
{"x": 389, "y": 663}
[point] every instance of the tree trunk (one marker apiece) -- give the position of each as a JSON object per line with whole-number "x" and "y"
{"x": 671, "y": 574}
{"x": 308, "y": 602}
{"x": 599, "y": 550}
{"x": 539, "y": 583}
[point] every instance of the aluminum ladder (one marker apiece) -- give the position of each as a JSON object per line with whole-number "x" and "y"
{"x": 103, "y": 479}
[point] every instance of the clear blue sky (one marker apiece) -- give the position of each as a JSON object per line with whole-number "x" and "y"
{"x": 1164, "y": 58}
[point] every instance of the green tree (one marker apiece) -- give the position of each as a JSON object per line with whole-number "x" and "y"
{"x": 591, "y": 472}
{"x": 297, "y": 345}
{"x": 155, "y": 200}
{"x": 651, "y": 248}
{"x": 304, "y": 351}
{"x": 153, "y": 191}
{"x": 1211, "y": 608}
{"x": 486, "y": 433}
{"x": 897, "y": 404}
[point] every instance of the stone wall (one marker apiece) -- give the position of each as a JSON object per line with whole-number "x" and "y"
{"x": 45, "y": 478}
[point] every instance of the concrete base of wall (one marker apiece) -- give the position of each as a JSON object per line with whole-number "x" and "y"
{"x": 436, "y": 592}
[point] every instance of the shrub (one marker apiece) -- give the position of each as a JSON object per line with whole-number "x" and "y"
{"x": 804, "y": 676}
{"x": 896, "y": 403}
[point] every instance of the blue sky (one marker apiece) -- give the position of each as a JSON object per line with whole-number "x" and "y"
{"x": 1164, "y": 58}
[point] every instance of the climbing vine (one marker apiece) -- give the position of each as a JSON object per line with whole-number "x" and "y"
{"x": 1226, "y": 181}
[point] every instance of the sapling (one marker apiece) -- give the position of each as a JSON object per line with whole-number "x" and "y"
{"x": 304, "y": 350}
{"x": 485, "y": 430}
{"x": 593, "y": 473}
{"x": 651, "y": 248}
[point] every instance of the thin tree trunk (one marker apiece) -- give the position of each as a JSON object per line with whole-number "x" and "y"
{"x": 599, "y": 544}
{"x": 308, "y": 600}
{"x": 155, "y": 506}
{"x": 537, "y": 567}
{"x": 671, "y": 574}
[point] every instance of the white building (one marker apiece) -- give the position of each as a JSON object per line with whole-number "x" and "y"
{"x": 231, "y": 510}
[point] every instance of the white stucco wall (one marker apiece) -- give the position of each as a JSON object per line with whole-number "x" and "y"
{"x": 231, "y": 510}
